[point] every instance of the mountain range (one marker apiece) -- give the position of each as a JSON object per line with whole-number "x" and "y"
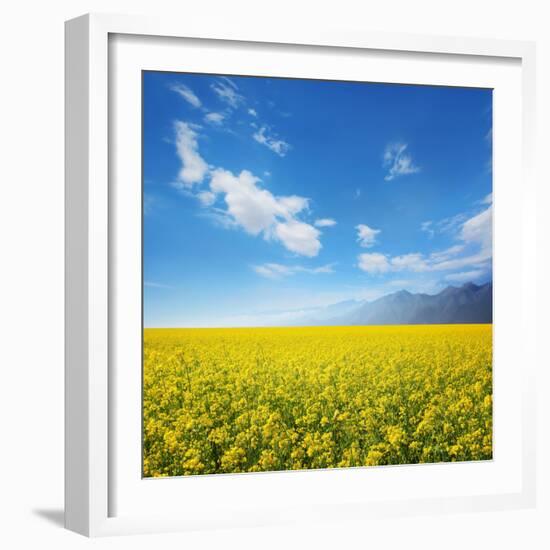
{"x": 469, "y": 303}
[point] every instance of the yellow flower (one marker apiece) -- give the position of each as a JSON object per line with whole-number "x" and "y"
{"x": 250, "y": 400}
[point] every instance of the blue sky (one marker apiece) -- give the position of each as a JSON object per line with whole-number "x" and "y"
{"x": 265, "y": 197}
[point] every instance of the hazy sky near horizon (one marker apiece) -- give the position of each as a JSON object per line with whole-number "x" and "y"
{"x": 264, "y": 197}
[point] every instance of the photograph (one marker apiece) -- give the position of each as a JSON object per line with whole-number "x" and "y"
{"x": 317, "y": 274}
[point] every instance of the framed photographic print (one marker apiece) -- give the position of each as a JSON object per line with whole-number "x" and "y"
{"x": 297, "y": 276}
{"x": 340, "y": 317}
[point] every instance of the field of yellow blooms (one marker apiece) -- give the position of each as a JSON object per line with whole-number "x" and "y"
{"x": 264, "y": 399}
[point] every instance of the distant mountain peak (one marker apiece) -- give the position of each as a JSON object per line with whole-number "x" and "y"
{"x": 470, "y": 286}
{"x": 403, "y": 292}
{"x": 468, "y": 303}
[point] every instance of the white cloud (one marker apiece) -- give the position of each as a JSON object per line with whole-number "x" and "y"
{"x": 293, "y": 204}
{"x": 187, "y": 94}
{"x": 219, "y": 217}
{"x": 374, "y": 263}
{"x": 258, "y": 211}
{"x": 478, "y": 259}
{"x": 299, "y": 237}
{"x": 398, "y": 161}
{"x": 473, "y": 253}
{"x": 327, "y": 268}
{"x": 252, "y": 112}
{"x": 278, "y": 146}
{"x": 254, "y": 209}
{"x": 226, "y": 90}
{"x": 452, "y": 224}
{"x": 267, "y": 173}
{"x": 442, "y": 255}
{"x": 479, "y": 230}
{"x": 410, "y": 262}
{"x": 366, "y": 236}
{"x": 215, "y": 118}
{"x": 324, "y": 222}
{"x": 278, "y": 271}
{"x": 488, "y": 199}
{"x": 427, "y": 228}
{"x": 194, "y": 168}
{"x": 272, "y": 271}
{"x": 207, "y": 198}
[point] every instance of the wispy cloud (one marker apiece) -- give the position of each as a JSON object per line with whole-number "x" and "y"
{"x": 427, "y": 227}
{"x": 409, "y": 262}
{"x": 278, "y": 146}
{"x": 226, "y": 90}
{"x": 215, "y": 118}
{"x": 366, "y": 236}
{"x": 187, "y": 94}
{"x": 278, "y": 271}
{"x": 324, "y": 222}
{"x": 194, "y": 167}
{"x": 398, "y": 161}
{"x": 450, "y": 225}
{"x": 472, "y": 254}
{"x": 443, "y": 255}
{"x": 207, "y": 198}
{"x": 478, "y": 229}
{"x": 374, "y": 263}
{"x": 152, "y": 284}
{"x": 229, "y": 81}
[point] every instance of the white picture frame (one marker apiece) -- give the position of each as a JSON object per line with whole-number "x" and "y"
{"x": 93, "y": 390}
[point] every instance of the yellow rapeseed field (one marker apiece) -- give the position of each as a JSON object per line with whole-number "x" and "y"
{"x": 263, "y": 399}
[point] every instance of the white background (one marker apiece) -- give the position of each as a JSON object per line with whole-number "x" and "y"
{"x": 31, "y": 273}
